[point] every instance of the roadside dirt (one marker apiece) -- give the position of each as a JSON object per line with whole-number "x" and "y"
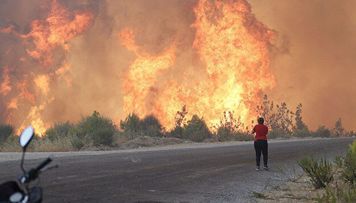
{"x": 297, "y": 189}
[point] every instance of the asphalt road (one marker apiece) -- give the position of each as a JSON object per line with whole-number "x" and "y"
{"x": 205, "y": 174}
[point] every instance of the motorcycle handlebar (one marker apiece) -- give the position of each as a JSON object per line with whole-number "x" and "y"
{"x": 43, "y": 164}
{"x": 33, "y": 173}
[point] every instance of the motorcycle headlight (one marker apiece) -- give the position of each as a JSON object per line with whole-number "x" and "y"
{"x": 16, "y": 197}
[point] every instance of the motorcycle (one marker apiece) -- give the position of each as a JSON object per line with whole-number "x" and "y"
{"x": 20, "y": 191}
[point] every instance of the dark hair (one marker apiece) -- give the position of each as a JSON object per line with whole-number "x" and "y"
{"x": 260, "y": 120}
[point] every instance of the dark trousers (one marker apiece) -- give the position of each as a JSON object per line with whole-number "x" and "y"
{"x": 261, "y": 146}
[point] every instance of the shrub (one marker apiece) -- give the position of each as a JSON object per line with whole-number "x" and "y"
{"x": 131, "y": 123}
{"x": 196, "y": 130}
{"x": 131, "y": 126}
{"x": 322, "y": 131}
{"x": 229, "y": 134}
{"x": 277, "y": 133}
{"x": 102, "y": 136}
{"x": 150, "y": 126}
{"x": 349, "y": 165}
{"x": 59, "y": 130}
{"x": 243, "y": 136}
{"x": 98, "y": 129}
{"x": 301, "y": 132}
{"x": 76, "y": 142}
{"x": 5, "y": 132}
{"x": 176, "y": 132}
{"x": 225, "y": 134}
{"x": 319, "y": 172}
{"x": 11, "y": 144}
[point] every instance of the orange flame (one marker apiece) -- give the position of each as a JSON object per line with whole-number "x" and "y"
{"x": 45, "y": 38}
{"x": 139, "y": 83}
{"x": 232, "y": 72}
{"x": 42, "y": 82}
{"x": 55, "y": 31}
{"x": 5, "y": 87}
{"x": 234, "y": 47}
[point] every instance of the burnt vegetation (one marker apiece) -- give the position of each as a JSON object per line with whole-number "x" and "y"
{"x": 99, "y": 132}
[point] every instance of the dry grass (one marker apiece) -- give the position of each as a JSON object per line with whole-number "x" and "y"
{"x": 58, "y": 145}
{"x": 147, "y": 141}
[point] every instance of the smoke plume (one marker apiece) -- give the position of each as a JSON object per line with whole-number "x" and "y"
{"x": 318, "y": 66}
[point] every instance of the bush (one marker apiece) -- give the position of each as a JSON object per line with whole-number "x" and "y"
{"x": 102, "y": 137}
{"x": 225, "y": 134}
{"x": 322, "y": 131}
{"x": 242, "y": 136}
{"x": 150, "y": 126}
{"x": 133, "y": 126}
{"x": 301, "y": 132}
{"x": 349, "y": 165}
{"x": 59, "y": 131}
{"x": 99, "y": 130}
{"x": 76, "y": 142}
{"x": 5, "y": 132}
{"x": 11, "y": 144}
{"x": 319, "y": 172}
{"x": 176, "y": 132}
{"x": 229, "y": 134}
{"x": 196, "y": 130}
{"x": 277, "y": 133}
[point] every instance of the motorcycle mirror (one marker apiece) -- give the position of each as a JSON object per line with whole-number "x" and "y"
{"x": 26, "y": 136}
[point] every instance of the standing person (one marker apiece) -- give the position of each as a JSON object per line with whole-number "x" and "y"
{"x": 260, "y": 143}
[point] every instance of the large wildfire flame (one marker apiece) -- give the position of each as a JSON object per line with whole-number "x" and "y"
{"x": 142, "y": 76}
{"x": 32, "y": 94}
{"x": 233, "y": 48}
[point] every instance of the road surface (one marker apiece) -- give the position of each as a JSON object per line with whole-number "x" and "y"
{"x": 215, "y": 173}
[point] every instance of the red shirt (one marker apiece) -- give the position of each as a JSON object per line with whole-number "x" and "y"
{"x": 261, "y": 132}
